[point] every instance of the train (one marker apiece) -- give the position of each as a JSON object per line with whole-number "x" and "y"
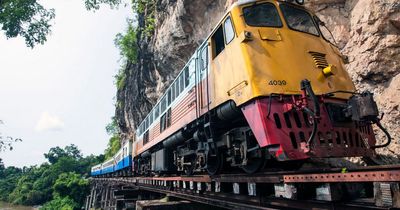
{"x": 266, "y": 86}
{"x": 118, "y": 165}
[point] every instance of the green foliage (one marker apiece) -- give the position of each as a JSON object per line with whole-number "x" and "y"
{"x": 147, "y": 8}
{"x": 112, "y": 127}
{"x": 114, "y": 144}
{"x": 139, "y": 5}
{"x": 65, "y": 203}
{"x": 127, "y": 45}
{"x": 120, "y": 79}
{"x": 95, "y": 4}
{"x": 47, "y": 183}
{"x": 57, "y": 153}
{"x": 71, "y": 185}
{"x": 27, "y": 19}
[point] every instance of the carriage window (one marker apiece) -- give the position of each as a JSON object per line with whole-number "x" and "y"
{"x": 151, "y": 118}
{"x": 229, "y": 32}
{"x": 262, "y": 15}
{"x": 299, "y": 19}
{"x": 157, "y": 111}
{"x": 177, "y": 87}
{"x": 186, "y": 76}
{"x": 168, "y": 118}
{"x": 172, "y": 89}
{"x": 165, "y": 120}
{"x": 163, "y": 104}
{"x": 182, "y": 82}
{"x": 192, "y": 67}
{"x": 218, "y": 42}
{"x": 169, "y": 97}
{"x": 162, "y": 123}
{"x": 204, "y": 58}
{"x": 146, "y": 137}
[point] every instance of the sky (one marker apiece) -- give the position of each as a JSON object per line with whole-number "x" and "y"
{"x": 62, "y": 92}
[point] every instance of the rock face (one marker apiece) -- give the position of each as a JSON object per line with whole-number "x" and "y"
{"x": 367, "y": 31}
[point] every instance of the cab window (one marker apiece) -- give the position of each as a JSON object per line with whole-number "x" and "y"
{"x": 299, "y": 20}
{"x": 262, "y": 15}
{"x": 229, "y": 32}
{"x": 218, "y": 41}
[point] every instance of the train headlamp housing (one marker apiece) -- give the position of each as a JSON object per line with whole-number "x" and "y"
{"x": 300, "y": 2}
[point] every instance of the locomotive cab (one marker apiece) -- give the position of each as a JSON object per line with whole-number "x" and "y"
{"x": 264, "y": 50}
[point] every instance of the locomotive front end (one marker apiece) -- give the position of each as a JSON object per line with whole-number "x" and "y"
{"x": 303, "y": 103}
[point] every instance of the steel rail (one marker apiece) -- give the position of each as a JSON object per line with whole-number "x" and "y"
{"x": 242, "y": 202}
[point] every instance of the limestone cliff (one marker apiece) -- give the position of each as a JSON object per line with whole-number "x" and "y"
{"x": 367, "y": 31}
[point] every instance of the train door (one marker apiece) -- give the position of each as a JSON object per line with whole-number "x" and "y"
{"x": 201, "y": 80}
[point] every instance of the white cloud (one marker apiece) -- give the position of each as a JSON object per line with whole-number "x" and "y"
{"x": 49, "y": 122}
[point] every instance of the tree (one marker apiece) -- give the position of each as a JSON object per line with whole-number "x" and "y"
{"x": 95, "y": 4}
{"x": 30, "y": 20}
{"x": 114, "y": 144}
{"x": 7, "y": 141}
{"x": 71, "y": 185}
{"x": 56, "y": 153}
{"x": 60, "y": 203}
{"x": 25, "y": 18}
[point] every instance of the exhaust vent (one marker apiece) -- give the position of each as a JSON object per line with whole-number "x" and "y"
{"x": 319, "y": 60}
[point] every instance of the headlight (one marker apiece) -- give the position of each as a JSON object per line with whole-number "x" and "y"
{"x": 301, "y": 2}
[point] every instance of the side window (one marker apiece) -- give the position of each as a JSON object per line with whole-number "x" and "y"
{"x": 229, "y": 32}
{"x": 157, "y": 111}
{"x": 186, "y": 76}
{"x": 218, "y": 42}
{"x": 169, "y": 97}
{"x": 204, "y": 58}
{"x": 146, "y": 137}
{"x": 192, "y": 70}
{"x": 168, "y": 120}
{"x": 182, "y": 82}
{"x": 151, "y": 118}
{"x": 165, "y": 120}
{"x": 177, "y": 87}
{"x": 172, "y": 89}
{"x": 162, "y": 123}
{"x": 163, "y": 104}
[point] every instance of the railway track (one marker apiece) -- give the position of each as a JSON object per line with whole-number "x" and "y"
{"x": 374, "y": 187}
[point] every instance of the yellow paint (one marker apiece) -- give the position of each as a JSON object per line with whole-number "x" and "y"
{"x": 259, "y": 55}
{"x": 330, "y": 70}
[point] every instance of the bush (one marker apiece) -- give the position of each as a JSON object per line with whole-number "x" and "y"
{"x": 65, "y": 203}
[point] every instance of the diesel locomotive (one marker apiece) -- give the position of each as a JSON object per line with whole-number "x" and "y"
{"x": 266, "y": 85}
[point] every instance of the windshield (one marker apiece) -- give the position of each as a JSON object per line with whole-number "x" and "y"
{"x": 299, "y": 19}
{"x": 264, "y": 15}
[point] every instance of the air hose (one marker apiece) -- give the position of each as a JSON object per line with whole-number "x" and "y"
{"x": 306, "y": 86}
{"x": 389, "y": 138}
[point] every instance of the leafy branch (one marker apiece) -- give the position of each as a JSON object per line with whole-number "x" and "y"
{"x": 6, "y": 142}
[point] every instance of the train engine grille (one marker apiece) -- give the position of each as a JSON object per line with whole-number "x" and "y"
{"x": 319, "y": 59}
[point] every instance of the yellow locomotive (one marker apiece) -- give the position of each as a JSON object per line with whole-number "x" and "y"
{"x": 266, "y": 85}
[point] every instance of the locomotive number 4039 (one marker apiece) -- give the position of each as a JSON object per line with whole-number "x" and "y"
{"x": 277, "y": 82}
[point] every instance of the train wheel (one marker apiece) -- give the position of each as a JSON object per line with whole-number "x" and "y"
{"x": 255, "y": 164}
{"x": 215, "y": 164}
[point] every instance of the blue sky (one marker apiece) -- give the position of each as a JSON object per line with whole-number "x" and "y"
{"x": 63, "y": 92}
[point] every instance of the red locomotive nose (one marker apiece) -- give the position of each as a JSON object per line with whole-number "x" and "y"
{"x": 283, "y": 130}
